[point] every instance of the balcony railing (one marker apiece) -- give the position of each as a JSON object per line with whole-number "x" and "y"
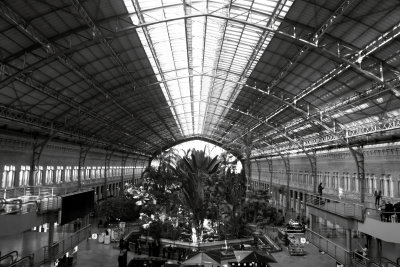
{"x": 58, "y": 249}
{"x": 342, "y": 208}
{"x": 334, "y": 250}
{"x": 382, "y": 215}
{"x": 340, "y": 254}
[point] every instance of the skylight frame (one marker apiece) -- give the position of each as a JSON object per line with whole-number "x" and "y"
{"x": 187, "y": 53}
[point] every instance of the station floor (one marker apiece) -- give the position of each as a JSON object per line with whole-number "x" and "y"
{"x": 91, "y": 253}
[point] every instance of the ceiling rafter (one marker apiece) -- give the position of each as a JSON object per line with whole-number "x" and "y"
{"x": 258, "y": 47}
{"x": 26, "y": 79}
{"x": 115, "y": 55}
{"x": 151, "y": 46}
{"x": 51, "y": 49}
{"x": 12, "y": 114}
{"x": 352, "y": 60}
{"x": 314, "y": 38}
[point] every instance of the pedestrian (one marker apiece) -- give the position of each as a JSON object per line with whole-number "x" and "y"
{"x": 378, "y": 196}
{"x": 320, "y": 188}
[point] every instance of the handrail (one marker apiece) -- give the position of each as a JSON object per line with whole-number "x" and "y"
{"x": 23, "y": 260}
{"x": 60, "y": 248}
{"x": 390, "y": 261}
{"x": 341, "y": 208}
{"x": 9, "y": 254}
{"x": 378, "y": 213}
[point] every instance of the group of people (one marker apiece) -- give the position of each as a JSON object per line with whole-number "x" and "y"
{"x": 389, "y": 212}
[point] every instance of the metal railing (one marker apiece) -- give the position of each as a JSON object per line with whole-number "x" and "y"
{"x": 388, "y": 263}
{"x": 11, "y": 256}
{"x": 340, "y": 254}
{"x": 381, "y": 215}
{"x": 62, "y": 247}
{"x": 342, "y": 208}
{"x": 335, "y": 251}
{"x": 26, "y": 261}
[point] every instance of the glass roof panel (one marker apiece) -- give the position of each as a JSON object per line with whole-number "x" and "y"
{"x": 200, "y": 51}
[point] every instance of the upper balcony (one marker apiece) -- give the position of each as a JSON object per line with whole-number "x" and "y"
{"x": 381, "y": 224}
{"x": 336, "y": 206}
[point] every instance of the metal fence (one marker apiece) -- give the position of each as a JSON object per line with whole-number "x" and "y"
{"x": 342, "y": 208}
{"x": 335, "y": 251}
{"x": 58, "y": 249}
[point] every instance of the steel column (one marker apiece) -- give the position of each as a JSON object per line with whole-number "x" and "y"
{"x": 270, "y": 168}
{"x": 82, "y": 157}
{"x": 313, "y": 163}
{"x": 359, "y": 159}
{"x": 121, "y": 188}
{"x": 38, "y": 148}
{"x": 286, "y": 162}
{"x": 107, "y": 167}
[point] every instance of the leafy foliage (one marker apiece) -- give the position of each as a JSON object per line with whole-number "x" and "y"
{"x": 118, "y": 208}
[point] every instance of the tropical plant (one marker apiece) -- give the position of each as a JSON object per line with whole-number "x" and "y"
{"x": 195, "y": 170}
{"x": 113, "y": 209}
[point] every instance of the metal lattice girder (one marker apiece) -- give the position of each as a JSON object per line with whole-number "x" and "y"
{"x": 28, "y": 80}
{"x": 315, "y": 37}
{"x": 9, "y": 113}
{"x": 374, "y": 127}
{"x": 52, "y": 49}
{"x": 99, "y": 35}
{"x": 368, "y": 128}
{"x": 351, "y": 59}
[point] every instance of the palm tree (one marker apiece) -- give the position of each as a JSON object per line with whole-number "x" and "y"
{"x": 195, "y": 170}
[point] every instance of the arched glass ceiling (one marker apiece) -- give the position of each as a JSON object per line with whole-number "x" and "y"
{"x": 201, "y": 51}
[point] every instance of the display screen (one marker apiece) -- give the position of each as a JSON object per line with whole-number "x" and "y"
{"x": 76, "y": 205}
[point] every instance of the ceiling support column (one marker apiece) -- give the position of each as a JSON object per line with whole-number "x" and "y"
{"x": 123, "y": 164}
{"x": 38, "y": 147}
{"x": 286, "y": 162}
{"x": 313, "y": 163}
{"x": 82, "y": 157}
{"x": 270, "y": 169}
{"x": 359, "y": 159}
{"x": 259, "y": 173}
{"x": 106, "y": 169}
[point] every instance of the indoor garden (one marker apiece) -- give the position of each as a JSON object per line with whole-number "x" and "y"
{"x": 192, "y": 198}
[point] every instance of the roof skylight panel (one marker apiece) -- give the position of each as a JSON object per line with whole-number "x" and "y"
{"x": 209, "y": 54}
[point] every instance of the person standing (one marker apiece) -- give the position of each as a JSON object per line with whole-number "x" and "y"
{"x": 378, "y": 198}
{"x": 320, "y": 188}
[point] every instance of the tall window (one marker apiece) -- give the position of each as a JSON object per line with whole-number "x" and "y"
{"x": 88, "y": 172}
{"x": 98, "y": 174}
{"x": 59, "y": 174}
{"x": 24, "y": 175}
{"x": 75, "y": 173}
{"x": 39, "y": 175}
{"x": 7, "y": 180}
{"x": 67, "y": 175}
{"x": 49, "y": 174}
